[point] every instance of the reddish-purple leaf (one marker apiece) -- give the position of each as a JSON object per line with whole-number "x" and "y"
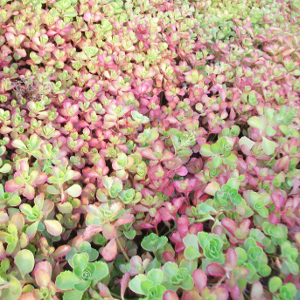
{"x": 215, "y": 270}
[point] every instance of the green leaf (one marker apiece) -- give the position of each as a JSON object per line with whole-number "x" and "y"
{"x": 101, "y": 271}
{"x": 205, "y": 150}
{"x": 170, "y": 268}
{"x": 79, "y": 260}
{"x": 72, "y": 295}
{"x": 274, "y": 284}
{"x": 82, "y": 286}
{"x": 14, "y": 290}
{"x": 53, "y": 227}
{"x": 146, "y": 286}
{"x": 24, "y": 261}
{"x": 270, "y": 131}
{"x": 268, "y": 146}
{"x": 191, "y": 253}
{"x": 130, "y": 234}
{"x": 246, "y": 141}
{"x": 188, "y": 283}
{"x": 217, "y": 161}
{"x": 205, "y": 208}
{"x": 264, "y": 271}
{"x": 255, "y": 123}
{"x": 135, "y": 284}
{"x": 66, "y": 280}
{"x": 156, "y": 276}
{"x": 74, "y": 191}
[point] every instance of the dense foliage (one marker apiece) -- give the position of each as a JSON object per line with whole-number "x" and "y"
{"x": 149, "y": 149}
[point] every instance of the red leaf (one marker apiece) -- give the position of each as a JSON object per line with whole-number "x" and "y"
{"x": 110, "y": 251}
{"x": 200, "y": 279}
{"x": 215, "y": 270}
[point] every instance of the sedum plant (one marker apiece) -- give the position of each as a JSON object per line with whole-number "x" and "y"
{"x": 149, "y": 150}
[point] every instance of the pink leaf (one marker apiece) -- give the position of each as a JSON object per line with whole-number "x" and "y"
{"x": 221, "y": 294}
{"x": 215, "y": 270}
{"x": 109, "y": 231}
{"x": 91, "y": 230}
{"x": 231, "y": 257}
{"x": 257, "y": 290}
{"x": 165, "y": 214}
{"x": 200, "y": 279}
{"x": 182, "y": 171}
{"x": 11, "y": 186}
{"x": 170, "y": 295}
{"x": 29, "y": 192}
{"x": 124, "y": 284}
{"x": 110, "y": 251}
{"x": 124, "y": 219}
{"x": 229, "y": 225}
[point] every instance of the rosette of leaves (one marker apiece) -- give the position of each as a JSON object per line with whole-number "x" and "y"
{"x": 64, "y": 8}
{"x": 182, "y": 141}
{"x": 113, "y": 185}
{"x": 5, "y": 167}
{"x": 212, "y": 246}
{"x": 130, "y": 196}
{"x": 150, "y": 285}
{"x": 121, "y": 165}
{"x": 83, "y": 276}
{"x": 258, "y": 202}
{"x": 278, "y": 233}
{"x": 230, "y": 132}
{"x": 289, "y": 255}
{"x": 153, "y": 242}
{"x": 220, "y": 152}
{"x": 106, "y": 219}
{"x": 25, "y": 180}
{"x": 254, "y": 259}
{"x": 83, "y": 247}
{"x": 29, "y": 146}
{"x": 175, "y": 278}
{"x": 15, "y": 238}
{"x": 60, "y": 176}
{"x": 8, "y": 199}
{"x": 228, "y": 197}
{"x": 281, "y": 291}
{"x": 38, "y": 217}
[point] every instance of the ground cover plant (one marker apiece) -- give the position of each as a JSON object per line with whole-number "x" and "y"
{"x": 149, "y": 149}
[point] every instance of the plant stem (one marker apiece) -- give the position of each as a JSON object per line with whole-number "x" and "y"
{"x": 4, "y": 286}
{"x": 122, "y": 250}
